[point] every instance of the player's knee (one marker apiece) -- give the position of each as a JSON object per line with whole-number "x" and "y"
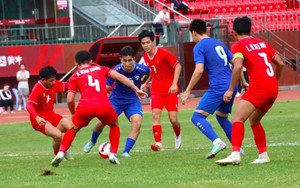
{"x": 196, "y": 117}
{"x": 57, "y": 137}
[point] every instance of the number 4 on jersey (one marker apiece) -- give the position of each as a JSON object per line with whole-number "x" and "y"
{"x": 94, "y": 83}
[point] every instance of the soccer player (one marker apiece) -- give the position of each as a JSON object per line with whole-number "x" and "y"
{"x": 165, "y": 71}
{"x": 256, "y": 56}
{"x": 40, "y": 107}
{"x": 124, "y": 99}
{"x": 90, "y": 80}
{"x": 214, "y": 57}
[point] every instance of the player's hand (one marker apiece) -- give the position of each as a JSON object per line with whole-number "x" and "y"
{"x": 141, "y": 94}
{"x": 245, "y": 86}
{"x": 173, "y": 88}
{"x": 40, "y": 120}
{"x": 143, "y": 87}
{"x": 185, "y": 97}
{"x": 227, "y": 96}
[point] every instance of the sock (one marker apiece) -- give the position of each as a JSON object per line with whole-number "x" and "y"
{"x": 55, "y": 151}
{"x": 238, "y": 132}
{"x": 157, "y": 130}
{"x": 259, "y": 137}
{"x": 216, "y": 141}
{"x": 204, "y": 126}
{"x": 95, "y": 136}
{"x": 129, "y": 144}
{"x": 177, "y": 130}
{"x": 114, "y": 138}
{"x": 67, "y": 140}
{"x": 226, "y": 126}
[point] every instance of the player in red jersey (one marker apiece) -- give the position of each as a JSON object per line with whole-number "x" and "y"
{"x": 165, "y": 71}
{"x": 90, "y": 81}
{"x": 40, "y": 105}
{"x": 256, "y": 56}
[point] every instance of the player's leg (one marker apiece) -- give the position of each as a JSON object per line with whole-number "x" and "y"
{"x": 259, "y": 132}
{"x": 98, "y": 128}
{"x": 242, "y": 113}
{"x": 207, "y": 105}
{"x": 171, "y": 104}
{"x": 55, "y": 134}
{"x": 134, "y": 112}
{"x": 157, "y": 107}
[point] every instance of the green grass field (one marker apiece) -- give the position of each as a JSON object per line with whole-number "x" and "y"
{"x": 25, "y": 153}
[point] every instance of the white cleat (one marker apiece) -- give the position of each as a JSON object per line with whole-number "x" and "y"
{"x": 113, "y": 159}
{"x": 261, "y": 159}
{"x": 125, "y": 155}
{"x": 68, "y": 157}
{"x": 230, "y": 160}
{"x": 178, "y": 141}
{"x": 57, "y": 159}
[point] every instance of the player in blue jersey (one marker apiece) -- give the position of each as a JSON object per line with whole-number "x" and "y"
{"x": 214, "y": 57}
{"x": 124, "y": 99}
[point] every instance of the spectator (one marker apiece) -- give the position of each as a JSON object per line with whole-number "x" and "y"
{"x": 160, "y": 22}
{"x": 180, "y": 5}
{"x": 23, "y": 86}
{"x": 6, "y": 99}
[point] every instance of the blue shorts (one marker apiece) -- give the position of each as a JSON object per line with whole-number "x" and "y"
{"x": 128, "y": 109}
{"x": 211, "y": 102}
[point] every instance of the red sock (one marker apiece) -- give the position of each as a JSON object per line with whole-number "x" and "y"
{"x": 114, "y": 138}
{"x": 259, "y": 137}
{"x": 67, "y": 140}
{"x": 237, "y": 135}
{"x": 55, "y": 151}
{"x": 177, "y": 130}
{"x": 157, "y": 130}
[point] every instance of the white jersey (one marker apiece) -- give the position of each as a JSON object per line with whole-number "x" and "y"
{"x": 161, "y": 15}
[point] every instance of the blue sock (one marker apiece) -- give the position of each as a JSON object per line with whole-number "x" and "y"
{"x": 129, "y": 144}
{"x": 95, "y": 136}
{"x": 226, "y": 126}
{"x": 204, "y": 126}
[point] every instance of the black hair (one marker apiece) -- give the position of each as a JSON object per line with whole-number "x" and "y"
{"x": 146, "y": 33}
{"x": 127, "y": 51}
{"x": 198, "y": 25}
{"x": 242, "y": 25}
{"x": 6, "y": 84}
{"x": 83, "y": 57}
{"x": 165, "y": 7}
{"x": 47, "y": 72}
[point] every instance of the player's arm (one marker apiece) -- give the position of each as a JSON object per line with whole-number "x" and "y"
{"x": 243, "y": 81}
{"x": 117, "y": 76}
{"x": 146, "y": 79}
{"x": 236, "y": 73}
{"x": 177, "y": 71}
{"x": 199, "y": 69}
{"x": 71, "y": 101}
{"x": 30, "y": 107}
{"x": 279, "y": 65}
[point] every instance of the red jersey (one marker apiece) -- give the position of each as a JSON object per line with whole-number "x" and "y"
{"x": 162, "y": 66}
{"x": 44, "y": 98}
{"x": 258, "y": 55}
{"x": 90, "y": 81}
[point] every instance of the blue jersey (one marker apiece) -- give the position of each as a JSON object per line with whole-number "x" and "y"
{"x": 216, "y": 57}
{"x": 121, "y": 93}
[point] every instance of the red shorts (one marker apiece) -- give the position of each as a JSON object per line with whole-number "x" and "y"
{"x": 52, "y": 117}
{"x": 260, "y": 102}
{"x": 169, "y": 101}
{"x": 83, "y": 115}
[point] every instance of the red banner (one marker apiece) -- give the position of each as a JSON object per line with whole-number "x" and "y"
{"x": 34, "y": 57}
{"x": 17, "y": 22}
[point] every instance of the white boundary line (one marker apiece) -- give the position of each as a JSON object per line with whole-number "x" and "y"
{"x": 288, "y": 144}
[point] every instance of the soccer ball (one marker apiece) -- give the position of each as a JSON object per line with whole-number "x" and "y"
{"x": 104, "y": 149}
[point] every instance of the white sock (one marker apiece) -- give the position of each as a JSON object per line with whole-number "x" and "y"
{"x": 216, "y": 141}
{"x": 235, "y": 154}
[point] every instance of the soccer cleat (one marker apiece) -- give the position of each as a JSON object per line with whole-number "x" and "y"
{"x": 125, "y": 155}
{"x": 178, "y": 141}
{"x": 87, "y": 148}
{"x": 113, "y": 159}
{"x": 216, "y": 149}
{"x": 68, "y": 157}
{"x": 57, "y": 159}
{"x": 261, "y": 159}
{"x": 230, "y": 160}
{"x": 156, "y": 147}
